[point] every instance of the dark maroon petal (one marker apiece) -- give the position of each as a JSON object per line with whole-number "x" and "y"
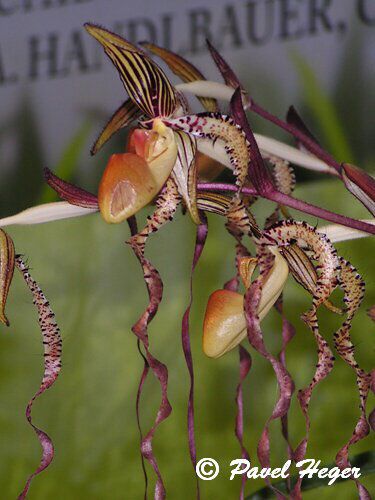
{"x": 133, "y": 226}
{"x": 288, "y": 332}
{"x": 371, "y": 313}
{"x": 245, "y": 366}
{"x": 294, "y": 119}
{"x": 360, "y": 184}
{"x": 166, "y": 204}
{"x": 230, "y": 77}
{"x": 155, "y": 291}
{"x": 262, "y": 179}
{"x": 52, "y": 345}
{"x": 202, "y": 231}
{"x": 69, "y": 192}
{"x": 244, "y": 357}
{"x": 142, "y": 380}
{"x": 258, "y": 173}
{"x": 371, "y": 417}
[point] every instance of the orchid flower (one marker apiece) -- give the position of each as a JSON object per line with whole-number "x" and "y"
{"x": 173, "y": 157}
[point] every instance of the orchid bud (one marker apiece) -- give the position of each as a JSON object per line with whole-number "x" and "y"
{"x": 225, "y": 323}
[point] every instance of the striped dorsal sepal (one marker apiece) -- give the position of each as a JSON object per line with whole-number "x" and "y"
{"x": 183, "y": 69}
{"x": 144, "y": 81}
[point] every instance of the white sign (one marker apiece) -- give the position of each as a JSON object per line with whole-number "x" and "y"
{"x": 47, "y": 57}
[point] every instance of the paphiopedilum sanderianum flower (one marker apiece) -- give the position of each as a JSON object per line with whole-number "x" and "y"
{"x": 172, "y": 158}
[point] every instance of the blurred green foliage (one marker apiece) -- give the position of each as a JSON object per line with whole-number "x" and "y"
{"x": 323, "y": 110}
{"x": 96, "y": 289}
{"x": 69, "y": 162}
{"x": 22, "y": 179}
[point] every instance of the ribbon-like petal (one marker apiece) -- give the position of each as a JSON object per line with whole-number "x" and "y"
{"x": 217, "y": 127}
{"x": 69, "y": 192}
{"x": 52, "y": 345}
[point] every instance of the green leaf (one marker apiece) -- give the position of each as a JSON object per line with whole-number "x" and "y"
{"x": 69, "y": 161}
{"x": 22, "y": 180}
{"x": 323, "y": 111}
{"x": 365, "y": 461}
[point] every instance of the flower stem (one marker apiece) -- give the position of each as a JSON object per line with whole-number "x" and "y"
{"x": 295, "y": 203}
{"x": 307, "y": 141}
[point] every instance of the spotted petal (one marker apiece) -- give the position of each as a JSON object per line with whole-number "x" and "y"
{"x": 52, "y": 345}
{"x": 218, "y": 128}
{"x": 227, "y": 73}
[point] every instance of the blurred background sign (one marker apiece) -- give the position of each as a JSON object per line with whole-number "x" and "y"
{"x": 53, "y": 75}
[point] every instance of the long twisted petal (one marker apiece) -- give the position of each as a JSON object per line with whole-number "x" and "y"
{"x": 52, "y": 345}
